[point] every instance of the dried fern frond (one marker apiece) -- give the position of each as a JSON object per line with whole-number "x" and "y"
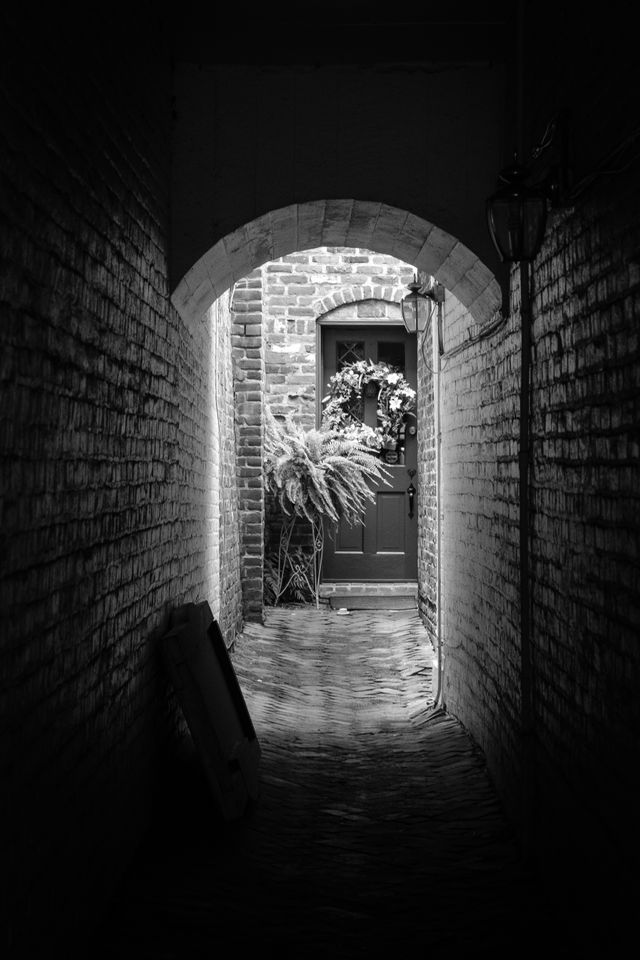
{"x": 319, "y": 473}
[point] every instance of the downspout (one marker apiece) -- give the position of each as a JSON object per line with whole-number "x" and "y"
{"x": 526, "y": 692}
{"x": 437, "y": 353}
{"x": 526, "y": 699}
{"x": 437, "y": 708}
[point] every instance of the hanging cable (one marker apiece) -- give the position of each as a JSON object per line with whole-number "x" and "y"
{"x": 498, "y": 322}
{"x": 606, "y": 167}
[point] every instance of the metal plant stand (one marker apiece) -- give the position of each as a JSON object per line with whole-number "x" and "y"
{"x": 298, "y": 569}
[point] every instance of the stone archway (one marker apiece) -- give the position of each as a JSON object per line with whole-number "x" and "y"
{"x": 299, "y": 227}
{"x": 349, "y": 223}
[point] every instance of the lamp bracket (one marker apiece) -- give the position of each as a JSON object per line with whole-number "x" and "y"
{"x": 547, "y": 167}
{"x": 434, "y": 291}
{"x": 437, "y": 292}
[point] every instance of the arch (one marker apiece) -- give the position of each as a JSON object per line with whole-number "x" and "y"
{"x": 356, "y": 294}
{"x": 345, "y": 223}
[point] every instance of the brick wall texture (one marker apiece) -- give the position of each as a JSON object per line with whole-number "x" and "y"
{"x": 479, "y": 539}
{"x": 427, "y": 500}
{"x": 110, "y": 516}
{"x": 248, "y": 373}
{"x": 301, "y": 288}
{"x": 584, "y": 528}
{"x": 585, "y": 506}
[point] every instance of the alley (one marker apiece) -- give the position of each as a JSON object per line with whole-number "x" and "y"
{"x": 376, "y": 833}
{"x": 194, "y": 210}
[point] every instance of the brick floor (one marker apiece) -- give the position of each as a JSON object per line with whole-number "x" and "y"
{"x": 377, "y": 832}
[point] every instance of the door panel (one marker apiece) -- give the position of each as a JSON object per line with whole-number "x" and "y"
{"x": 390, "y": 532}
{"x": 384, "y": 547}
{"x": 350, "y": 539}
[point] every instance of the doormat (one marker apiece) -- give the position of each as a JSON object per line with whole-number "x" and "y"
{"x": 352, "y": 602}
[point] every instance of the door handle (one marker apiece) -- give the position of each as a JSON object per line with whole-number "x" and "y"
{"x": 411, "y": 490}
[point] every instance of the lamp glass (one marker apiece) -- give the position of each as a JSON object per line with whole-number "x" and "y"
{"x": 516, "y": 217}
{"x": 415, "y": 309}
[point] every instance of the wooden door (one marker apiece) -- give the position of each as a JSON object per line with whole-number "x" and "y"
{"x": 384, "y": 547}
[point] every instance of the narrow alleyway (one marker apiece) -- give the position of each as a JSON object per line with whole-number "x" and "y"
{"x": 376, "y": 834}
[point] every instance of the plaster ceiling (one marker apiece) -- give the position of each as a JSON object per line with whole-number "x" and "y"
{"x": 346, "y": 32}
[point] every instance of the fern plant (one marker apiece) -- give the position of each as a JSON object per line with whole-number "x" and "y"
{"x": 313, "y": 476}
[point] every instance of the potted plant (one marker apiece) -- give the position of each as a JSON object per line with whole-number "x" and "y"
{"x": 312, "y": 476}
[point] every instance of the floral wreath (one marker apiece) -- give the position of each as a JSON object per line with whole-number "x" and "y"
{"x": 396, "y": 400}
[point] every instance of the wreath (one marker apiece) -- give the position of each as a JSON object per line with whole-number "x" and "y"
{"x": 396, "y": 401}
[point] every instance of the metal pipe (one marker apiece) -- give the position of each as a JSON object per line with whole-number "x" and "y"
{"x": 437, "y": 353}
{"x": 526, "y": 700}
{"x": 526, "y": 687}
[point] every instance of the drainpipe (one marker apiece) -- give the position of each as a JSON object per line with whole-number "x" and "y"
{"x": 526, "y": 698}
{"x": 437, "y": 707}
{"x": 437, "y": 351}
{"x": 526, "y": 691}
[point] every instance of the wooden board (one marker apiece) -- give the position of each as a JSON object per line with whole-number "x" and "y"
{"x": 213, "y": 706}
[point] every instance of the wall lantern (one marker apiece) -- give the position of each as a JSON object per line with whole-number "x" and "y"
{"x": 517, "y": 215}
{"x": 417, "y": 306}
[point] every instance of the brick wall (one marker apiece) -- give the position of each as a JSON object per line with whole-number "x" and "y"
{"x": 208, "y": 448}
{"x": 479, "y": 541}
{"x": 276, "y": 311}
{"x": 226, "y": 573}
{"x": 586, "y": 514}
{"x": 248, "y": 373}
{"x": 290, "y": 287}
{"x": 104, "y": 427}
{"x": 427, "y": 485}
{"x": 300, "y": 288}
{"x": 585, "y": 532}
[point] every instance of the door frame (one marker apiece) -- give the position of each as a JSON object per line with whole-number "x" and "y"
{"x": 325, "y": 320}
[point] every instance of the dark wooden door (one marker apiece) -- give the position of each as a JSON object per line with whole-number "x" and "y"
{"x": 384, "y": 547}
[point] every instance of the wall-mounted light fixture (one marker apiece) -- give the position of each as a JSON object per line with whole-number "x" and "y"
{"x": 516, "y": 216}
{"x": 417, "y": 306}
{"x": 517, "y": 211}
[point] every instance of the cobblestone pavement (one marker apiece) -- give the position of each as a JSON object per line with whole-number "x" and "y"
{"x": 377, "y": 833}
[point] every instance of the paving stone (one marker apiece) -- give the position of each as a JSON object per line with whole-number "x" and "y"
{"x": 377, "y": 831}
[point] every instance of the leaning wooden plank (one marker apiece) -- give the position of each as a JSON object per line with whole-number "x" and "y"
{"x": 214, "y": 708}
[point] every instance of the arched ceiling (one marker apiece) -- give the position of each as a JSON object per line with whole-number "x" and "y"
{"x": 339, "y": 223}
